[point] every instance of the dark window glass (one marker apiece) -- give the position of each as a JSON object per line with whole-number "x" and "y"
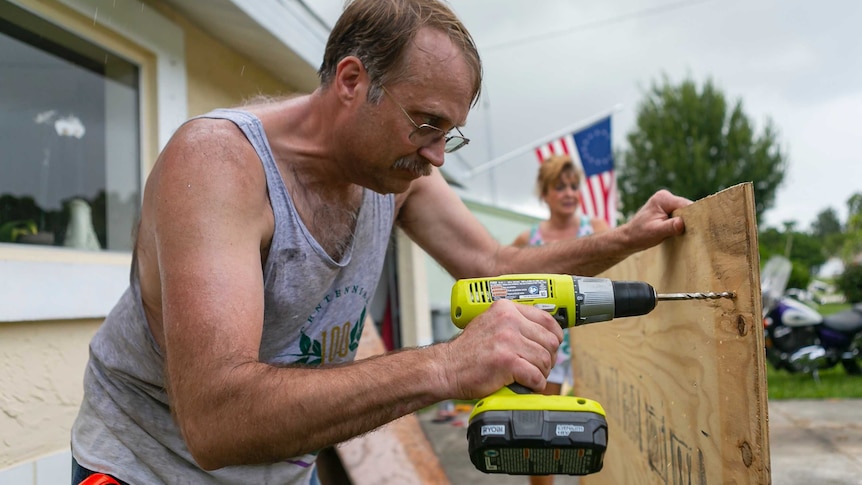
{"x": 69, "y": 138}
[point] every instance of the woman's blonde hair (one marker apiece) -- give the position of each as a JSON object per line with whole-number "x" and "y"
{"x": 552, "y": 169}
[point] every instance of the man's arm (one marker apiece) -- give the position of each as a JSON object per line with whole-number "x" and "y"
{"x": 433, "y": 216}
{"x": 211, "y": 218}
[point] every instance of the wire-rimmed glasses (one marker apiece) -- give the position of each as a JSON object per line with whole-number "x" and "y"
{"x": 426, "y": 134}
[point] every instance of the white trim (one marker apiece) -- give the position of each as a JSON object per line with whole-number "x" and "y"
{"x": 52, "y": 468}
{"x": 291, "y": 24}
{"x": 144, "y": 26}
{"x": 282, "y": 36}
{"x": 60, "y": 290}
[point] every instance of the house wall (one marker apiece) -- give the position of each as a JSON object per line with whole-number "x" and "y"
{"x": 40, "y": 386}
{"x": 218, "y": 76}
{"x": 52, "y": 300}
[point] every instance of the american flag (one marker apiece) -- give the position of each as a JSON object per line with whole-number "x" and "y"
{"x": 590, "y": 149}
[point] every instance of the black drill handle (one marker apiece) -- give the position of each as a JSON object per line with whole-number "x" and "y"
{"x": 519, "y": 388}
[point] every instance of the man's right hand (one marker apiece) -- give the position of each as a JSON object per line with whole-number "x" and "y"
{"x": 654, "y": 222}
{"x": 508, "y": 343}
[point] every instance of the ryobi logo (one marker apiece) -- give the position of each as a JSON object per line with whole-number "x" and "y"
{"x": 567, "y": 429}
{"x": 493, "y": 429}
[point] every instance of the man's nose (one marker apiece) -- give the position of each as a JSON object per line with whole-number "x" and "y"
{"x": 434, "y": 152}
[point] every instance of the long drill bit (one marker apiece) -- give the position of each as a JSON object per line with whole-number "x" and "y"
{"x": 695, "y": 296}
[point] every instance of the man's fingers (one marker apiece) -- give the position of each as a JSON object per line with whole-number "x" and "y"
{"x": 543, "y": 318}
{"x": 678, "y": 225}
{"x": 527, "y": 374}
{"x": 509, "y": 341}
{"x": 670, "y": 202}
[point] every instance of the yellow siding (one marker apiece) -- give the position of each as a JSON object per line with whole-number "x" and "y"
{"x": 219, "y": 77}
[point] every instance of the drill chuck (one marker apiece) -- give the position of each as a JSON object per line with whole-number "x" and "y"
{"x": 633, "y": 298}
{"x": 600, "y": 299}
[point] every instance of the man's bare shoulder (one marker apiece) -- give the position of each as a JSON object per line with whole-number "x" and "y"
{"x": 209, "y": 162}
{"x": 213, "y": 145}
{"x": 208, "y": 133}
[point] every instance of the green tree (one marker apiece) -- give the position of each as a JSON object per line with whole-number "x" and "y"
{"x": 829, "y": 230}
{"x": 806, "y": 251}
{"x": 826, "y": 223}
{"x": 693, "y": 143}
{"x": 850, "y": 283}
{"x": 852, "y": 246}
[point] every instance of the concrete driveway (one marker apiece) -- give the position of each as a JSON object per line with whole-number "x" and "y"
{"x": 816, "y": 441}
{"x": 811, "y": 442}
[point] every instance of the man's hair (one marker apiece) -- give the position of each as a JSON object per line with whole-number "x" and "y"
{"x": 378, "y": 33}
{"x": 552, "y": 169}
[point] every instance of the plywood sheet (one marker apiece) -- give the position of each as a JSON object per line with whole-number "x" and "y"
{"x": 684, "y": 387}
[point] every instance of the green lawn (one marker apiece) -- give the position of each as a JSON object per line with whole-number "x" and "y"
{"x": 831, "y": 308}
{"x": 833, "y": 383}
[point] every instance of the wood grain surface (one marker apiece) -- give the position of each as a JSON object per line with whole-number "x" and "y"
{"x": 684, "y": 387}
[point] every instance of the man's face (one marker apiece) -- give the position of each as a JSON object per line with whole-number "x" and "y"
{"x": 438, "y": 93}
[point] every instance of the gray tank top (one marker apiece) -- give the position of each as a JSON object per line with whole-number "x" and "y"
{"x": 314, "y": 311}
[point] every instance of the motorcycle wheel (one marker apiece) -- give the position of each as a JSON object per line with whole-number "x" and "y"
{"x": 852, "y": 367}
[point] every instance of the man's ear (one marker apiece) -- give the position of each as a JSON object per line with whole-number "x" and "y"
{"x": 351, "y": 79}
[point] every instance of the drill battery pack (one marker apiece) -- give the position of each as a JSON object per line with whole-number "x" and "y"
{"x": 536, "y": 434}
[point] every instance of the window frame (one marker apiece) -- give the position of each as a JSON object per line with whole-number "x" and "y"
{"x": 81, "y": 284}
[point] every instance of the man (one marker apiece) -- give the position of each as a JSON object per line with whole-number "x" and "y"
{"x": 262, "y": 234}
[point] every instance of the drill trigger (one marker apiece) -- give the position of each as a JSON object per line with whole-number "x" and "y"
{"x": 519, "y": 388}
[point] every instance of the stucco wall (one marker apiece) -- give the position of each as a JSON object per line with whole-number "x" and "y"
{"x": 41, "y": 369}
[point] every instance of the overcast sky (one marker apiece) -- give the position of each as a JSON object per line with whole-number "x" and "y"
{"x": 552, "y": 63}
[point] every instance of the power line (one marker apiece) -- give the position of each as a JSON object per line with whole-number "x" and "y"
{"x": 648, "y": 12}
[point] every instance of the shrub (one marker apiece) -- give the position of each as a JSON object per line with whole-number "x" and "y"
{"x": 850, "y": 283}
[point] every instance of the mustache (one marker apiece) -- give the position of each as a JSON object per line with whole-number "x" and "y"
{"x": 413, "y": 165}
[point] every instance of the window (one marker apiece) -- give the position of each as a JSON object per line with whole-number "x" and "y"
{"x": 69, "y": 137}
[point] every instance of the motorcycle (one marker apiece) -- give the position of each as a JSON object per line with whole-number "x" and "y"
{"x": 798, "y": 338}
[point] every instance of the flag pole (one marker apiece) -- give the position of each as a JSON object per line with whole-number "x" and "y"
{"x": 541, "y": 141}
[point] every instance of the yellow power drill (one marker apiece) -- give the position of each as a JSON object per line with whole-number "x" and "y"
{"x": 517, "y": 432}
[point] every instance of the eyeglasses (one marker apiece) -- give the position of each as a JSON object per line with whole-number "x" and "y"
{"x": 426, "y": 134}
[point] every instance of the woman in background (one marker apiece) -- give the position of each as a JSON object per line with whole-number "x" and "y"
{"x": 558, "y": 186}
